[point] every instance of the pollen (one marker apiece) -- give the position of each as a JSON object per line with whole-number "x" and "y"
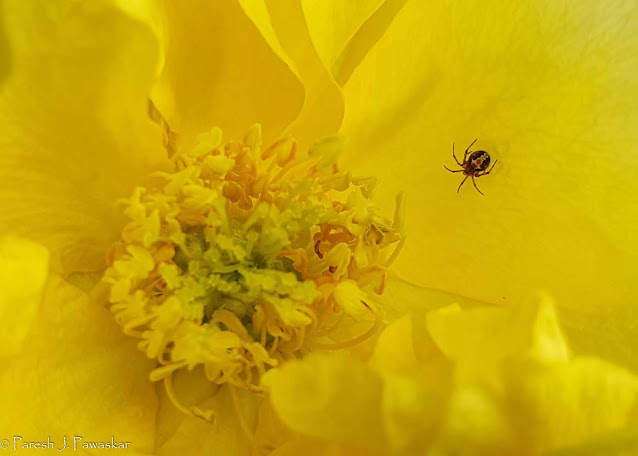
{"x": 246, "y": 256}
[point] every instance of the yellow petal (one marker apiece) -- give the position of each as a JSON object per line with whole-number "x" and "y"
{"x": 401, "y": 297}
{"x": 617, "y": 443}
{"x": 195, "y": 436}
{"x": 5, "y": 58}
{"x": 149, "y": 12}
{"x": 417, "y": 384}
{"x": 321, "y": 41}
{"x": 364, "y": 39}
{"x": 609, "y": 335}
{"x": 307, "y": 447}
{"x": 333, "y": 23}
{"x": 24, "y": 267}
{"x": 485, "y": 336}
{"x": 76, "y": 134}
{"x": 77, "y": 375}
{"x": 394, "y": 350}
{"x": 561, "y": 201}
{"x": 331, "y": 398}
{"x": 312, "y": 447}
{"x": 412, "y": 411}
{"x": 322, "y": 110}
{"x": 475, "y": 424}
{"x": 220, "y": 71}
{"x": 405, "y": 344}
{"x": 571, "y": 403}
{"x": 271, "y": 432}
{"x": 191, "y": 389}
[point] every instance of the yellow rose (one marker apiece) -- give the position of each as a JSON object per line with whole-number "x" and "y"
{"x": 471, "y": 361}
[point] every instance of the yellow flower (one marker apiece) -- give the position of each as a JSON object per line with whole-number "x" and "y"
{"x": 546, "y": 89}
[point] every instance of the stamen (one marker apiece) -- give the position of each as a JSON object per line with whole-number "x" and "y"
{"x": 349, "y": 343}
{"x": 193, "y": 411}
{"x": 170, "y": 137}
{"x": 399, "y": 225}
{"x": 300, "y": 340}
{"x": 331, "y": 329}
{"x": 162, "y": 372}
{"x": 231, "y": 321}
{"x": 227, "y": 265}
{"x": 273, "y": 348}
{"x": 317, "y": 251}
{"x": 128, "y": 327}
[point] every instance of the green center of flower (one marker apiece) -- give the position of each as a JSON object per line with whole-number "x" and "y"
{"x": 245, "y": 257}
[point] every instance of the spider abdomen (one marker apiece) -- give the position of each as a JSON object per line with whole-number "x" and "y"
{"x": 478, "y": 161}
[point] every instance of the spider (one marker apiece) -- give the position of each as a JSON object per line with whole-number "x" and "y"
{"x": 475, "y": 165}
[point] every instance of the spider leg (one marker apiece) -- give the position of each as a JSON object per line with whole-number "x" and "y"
{"x": 457, "y": 190}
{"x": 485, "y": 173}
{"x": 467, "y": 151}
{"x": 495, "y": 162}
{"x": 453, "y": 170}
{"x": 474, "y": 182}
{"x": 454, "y": 155}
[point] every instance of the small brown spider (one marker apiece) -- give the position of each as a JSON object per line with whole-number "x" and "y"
{"x": 475, "y": 165}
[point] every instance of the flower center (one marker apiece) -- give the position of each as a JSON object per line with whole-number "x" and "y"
{"x": 245, "y": 257}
